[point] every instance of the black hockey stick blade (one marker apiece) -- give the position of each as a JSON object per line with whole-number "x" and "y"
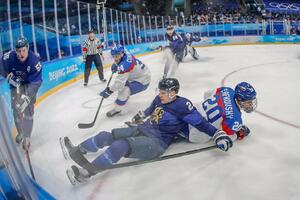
{"x": 89, "y": 125}
{"x": 84, "y": 126}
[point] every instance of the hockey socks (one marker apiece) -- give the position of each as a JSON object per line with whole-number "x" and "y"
{"x": 113, "y": 154}
{"x": 96, "y": 142}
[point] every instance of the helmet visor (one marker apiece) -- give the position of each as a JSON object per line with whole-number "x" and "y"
{"x": 249, "y": 105}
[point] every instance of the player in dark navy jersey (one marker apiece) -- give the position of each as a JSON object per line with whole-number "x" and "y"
{"x": 174, "y": 52}
{"x": 168, "y": 115}
{"x": 23, "y": 71}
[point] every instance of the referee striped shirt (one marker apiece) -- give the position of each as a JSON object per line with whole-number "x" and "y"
{"x": 91, "y": 47}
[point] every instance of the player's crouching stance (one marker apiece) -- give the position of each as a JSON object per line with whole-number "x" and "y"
{"x": 168, "y": 114}
{"x": 133, "y": 77}
{"x": 189, "y": 39}
{"x": 222, "y": 108}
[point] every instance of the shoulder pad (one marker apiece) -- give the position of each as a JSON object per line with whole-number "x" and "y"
{"x": 183, "y": 105}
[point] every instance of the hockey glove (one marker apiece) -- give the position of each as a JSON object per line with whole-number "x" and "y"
{"x": 244, "y": 131}
{"x": 114, "y": 68}
{"x": 24, "y": 102}
{"x": 13, "y": 80}
{"x": 138, "y": 118}
{"x": 222, "y": 140}
{"x": 106, "y": 93}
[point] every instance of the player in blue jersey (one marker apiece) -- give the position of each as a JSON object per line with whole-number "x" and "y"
{"x": 174, "y": 52}
{"x": 189, "y": 39}
{"x": 23, "y": 71}
{"x": 222, "y": 108}
{"x": 168, "y": 115}
{"x": 133, "y": 77}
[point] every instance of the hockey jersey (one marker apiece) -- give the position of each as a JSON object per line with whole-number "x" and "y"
{"x": 176, "y": 42}
{"x": 222, "y": 111}
{"x": 167, "y": 121}
{"x": 193, "y": 38}
{"x": 28, "y": 71}
{"x": 130, "y": 69}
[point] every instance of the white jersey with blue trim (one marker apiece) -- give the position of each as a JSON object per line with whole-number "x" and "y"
{"x": 130, "y": 69}
{"x": 220, "y": 109}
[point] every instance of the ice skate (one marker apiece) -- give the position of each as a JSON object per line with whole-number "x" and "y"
{"x": 77, "y": 175}
{"x": 112, "y": 113}
{"x": 19, "y": 138}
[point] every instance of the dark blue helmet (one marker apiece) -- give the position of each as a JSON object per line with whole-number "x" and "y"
{"x": 118, "y": 49}
{"x": 246, "y": 96}
{"x": 22, "y": 42}
{"x": 169, "y": 84}
{"x": 244, "y": 92}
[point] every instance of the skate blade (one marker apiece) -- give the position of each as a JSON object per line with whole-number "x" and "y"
{"x": 130, "y": 124}
{"x": 63, "y": 148}
{"x": 71, "y": 177}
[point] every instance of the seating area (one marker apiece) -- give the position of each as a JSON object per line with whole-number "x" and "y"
{"x": 283, "y": 6}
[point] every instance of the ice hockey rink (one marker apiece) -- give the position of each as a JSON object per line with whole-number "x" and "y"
{"x": 265, "y": 165}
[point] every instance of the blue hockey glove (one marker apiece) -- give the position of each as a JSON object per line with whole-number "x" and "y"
{"x": 222, "y": 140}
{"x": 244, "y": 131}
{"x": 114, "y": 68}
{"x": 106, "y": 93}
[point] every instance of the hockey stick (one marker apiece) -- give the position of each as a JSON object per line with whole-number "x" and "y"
{"x": 89, "y": 125}
{"x": 29, "y": 163}
{"x": 166, "y": 157}
{"x": 26, "y": 150}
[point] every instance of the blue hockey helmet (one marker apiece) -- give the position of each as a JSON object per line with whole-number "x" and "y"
{"x": 169, "y": 84}
{"x": 22, "y": 42}
{"x": 118, "y": 49}
{"x": 245, "y": 95}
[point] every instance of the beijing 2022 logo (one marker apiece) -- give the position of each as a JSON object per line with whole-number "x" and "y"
{"x": 285, "y": 6}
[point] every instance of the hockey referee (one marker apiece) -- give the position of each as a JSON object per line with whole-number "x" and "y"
{"x": 91, "y": 53}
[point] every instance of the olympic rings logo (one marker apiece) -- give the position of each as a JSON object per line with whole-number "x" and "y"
{"x": 285, "y": 6}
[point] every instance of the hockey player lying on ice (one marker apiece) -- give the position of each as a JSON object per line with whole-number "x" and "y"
{"x": 170, "y": 116}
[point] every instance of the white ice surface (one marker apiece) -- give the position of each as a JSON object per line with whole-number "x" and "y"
{"x": 264, "y": 166}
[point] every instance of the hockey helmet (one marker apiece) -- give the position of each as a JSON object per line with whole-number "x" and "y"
{"x": 118, "y": 49}
{"x": 22, "y": 42}
{"x": 169, "y": 84}
{"x": 245, "y": 95}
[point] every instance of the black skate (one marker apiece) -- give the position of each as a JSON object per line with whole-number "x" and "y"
{"x": 66, "y": 147}
{"x": 195, "y": 57}
{"x": 77, "y": 175}
{"x": 19, "y": 139}
{"x": 112, "y": 113}
{"x": 71, "y": 151}
{"x": 77, "y": 155}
